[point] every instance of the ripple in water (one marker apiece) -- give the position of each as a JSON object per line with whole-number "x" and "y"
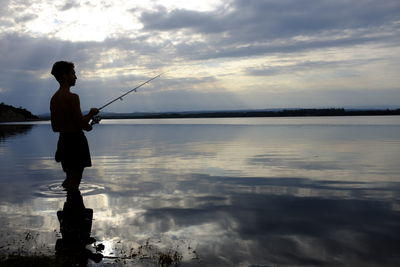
{"x": 56, "y": 190}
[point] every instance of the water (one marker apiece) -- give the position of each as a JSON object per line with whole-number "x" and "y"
{"x": 215, "y": 192}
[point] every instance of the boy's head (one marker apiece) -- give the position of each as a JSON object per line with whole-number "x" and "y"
{"x": 62, "y": 69}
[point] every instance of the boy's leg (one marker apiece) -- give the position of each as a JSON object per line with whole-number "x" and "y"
{"x": 65, "y": 184}
{"x": 73, "y": 180}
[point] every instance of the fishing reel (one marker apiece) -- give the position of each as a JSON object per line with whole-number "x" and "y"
{"x": 95, "y": 120}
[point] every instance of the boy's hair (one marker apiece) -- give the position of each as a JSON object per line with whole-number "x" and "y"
{"x": 60, "y": 68}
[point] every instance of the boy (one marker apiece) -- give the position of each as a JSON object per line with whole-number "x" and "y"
{"x": 67, "y": 119}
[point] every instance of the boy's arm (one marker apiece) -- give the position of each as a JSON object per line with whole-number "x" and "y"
{"x": 83, "y": 121}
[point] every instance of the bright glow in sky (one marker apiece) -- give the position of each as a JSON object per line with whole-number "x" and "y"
{"x": 235, "y": 54}
{"x": 91, "y": 21}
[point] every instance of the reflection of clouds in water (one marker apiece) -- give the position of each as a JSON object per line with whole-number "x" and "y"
{"x": 338, "y": 152}
{"x": 274, "y": 226}
{"x": 3, "y": 151}
{"x": 44, "y": 163}
{"x": 247, "y": 220}
{"x": 34, "y": 219}
{"x": 370, "y": 159}
{"x": 293, "y": 162}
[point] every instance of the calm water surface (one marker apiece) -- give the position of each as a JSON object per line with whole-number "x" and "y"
{"x": 215, "y": 192}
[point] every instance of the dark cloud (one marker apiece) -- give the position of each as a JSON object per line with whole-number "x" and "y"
{"x": 308, "y": 66}
{"x": 226, "y": 50}
{"x": 22, "y": 52}
{"x": 25, "y": 18}
{"x": 250, "y": 28}
{"x": 181, "y": 19}
{"x": 69, "y": 5}
{"x": 275, "y": 19}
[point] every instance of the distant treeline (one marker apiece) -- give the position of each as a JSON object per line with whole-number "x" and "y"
{"x": 10, "y": 114}
{"x": 256, "y": 113}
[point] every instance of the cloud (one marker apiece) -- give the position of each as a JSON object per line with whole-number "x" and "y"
{"x": 165, "y": 20}
{"x": 25, "y": 18}
{"x": 13, "y": 13}
{"x": 275, "y": 19}
{"x": 249, "y": 28}
{"x": 26, "y": 53}
{"x": 69, "y": 5}
{"x": 307, "y": 66}
{"x": 25, "y": 67}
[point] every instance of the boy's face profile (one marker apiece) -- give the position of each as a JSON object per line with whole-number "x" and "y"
{"x": 70, "y": 78}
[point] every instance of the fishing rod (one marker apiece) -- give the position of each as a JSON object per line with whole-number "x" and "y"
{"x": 96, "y": 119}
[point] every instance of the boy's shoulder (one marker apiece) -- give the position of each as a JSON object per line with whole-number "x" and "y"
{"x": 63, "y": 98}
{"x": 68, "y": 95}
{"x": 74, "y": 96}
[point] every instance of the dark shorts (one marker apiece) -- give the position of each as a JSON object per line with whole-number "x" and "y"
{"x": 73, "y": 151}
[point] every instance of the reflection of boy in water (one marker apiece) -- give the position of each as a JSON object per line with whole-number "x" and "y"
{"x": 75, "y": 227}
{"x": 67, "y": 119}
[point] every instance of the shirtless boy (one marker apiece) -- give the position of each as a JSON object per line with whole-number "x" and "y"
{"x": 67, "y": 119}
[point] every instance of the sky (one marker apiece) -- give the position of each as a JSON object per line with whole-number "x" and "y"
{"x": 217, "y": 55}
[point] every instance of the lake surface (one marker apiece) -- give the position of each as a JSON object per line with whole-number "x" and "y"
{"x": 215, "y": 192}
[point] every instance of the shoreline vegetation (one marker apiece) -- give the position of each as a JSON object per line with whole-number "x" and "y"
{"x": 11, "y": 114}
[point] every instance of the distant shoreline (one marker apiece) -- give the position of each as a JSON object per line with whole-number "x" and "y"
{"x": 12, "y": 114}
{"x": 257, "y": 113}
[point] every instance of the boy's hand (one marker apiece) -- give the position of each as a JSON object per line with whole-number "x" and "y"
{"x": 88, "y": 128}
{"x": 93, "y": 112}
